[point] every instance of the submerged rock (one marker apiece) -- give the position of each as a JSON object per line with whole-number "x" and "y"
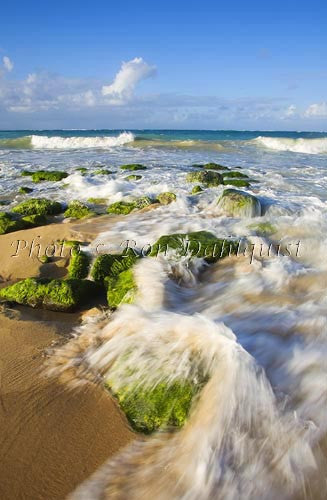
{"x": 150, "y": 409}
{"x": 212, "y": 166}
{"x": 102, "y": 171}
{"x": 263, "y": 228}
{"x": 236, "y": 203}
{"x": 98, "y": 201}
{"x": 40, "y": 206}
{"x": 196, "y": 190}
{"x": 78, "y": 210}
{"x": 25, "y": 190}
{"x": 234, "y": 174}
{"x": 126, "y": 207}
{"x": 166, "y": 198}
{"x": 133, "y": 177}
{"x": 52, "y": 294}
{"x": 133, "y": 166}
{"x": 236, "y": 182}
{"x": 201, "y": 244}
{"x": 209, "y": 179}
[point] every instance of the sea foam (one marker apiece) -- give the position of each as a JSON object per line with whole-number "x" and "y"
{"x": 45, "y": 142}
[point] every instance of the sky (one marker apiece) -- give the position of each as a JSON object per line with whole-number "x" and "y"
{"x": 209, "y": 64}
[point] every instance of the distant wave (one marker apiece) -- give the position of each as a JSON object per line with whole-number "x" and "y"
{"x": 308, "y": 146}
{"x": 57, "y": 142}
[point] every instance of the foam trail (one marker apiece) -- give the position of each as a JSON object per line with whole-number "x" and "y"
{"x": 45, "y": 142}
{"x": 237, "y": 443}
{"x": 308, "y": 146}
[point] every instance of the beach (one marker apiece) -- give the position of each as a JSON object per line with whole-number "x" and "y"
{"x": 195, "y": 363}
{"x": 51, "y": 438}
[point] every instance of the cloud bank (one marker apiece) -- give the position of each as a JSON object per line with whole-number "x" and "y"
{"x": 47, "y": 100}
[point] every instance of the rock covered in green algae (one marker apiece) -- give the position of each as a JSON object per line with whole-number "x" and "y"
{"x": 52, "y": 294}
{"x": 201, "y": 244}
{"x": 126, "y": 207}
{"x": 236, "y": 182}
{"x": 102, "y": 171}
{"x": 46, "y": 175}
{"x": 8, "y": 224}
{"x": 208, "y": 178}
{"x": 133, "y": 167}
{"x": 133, "y": 177}
{"x": 121, "y": 289}
{"x": 235, "y": 203}
{"x": 121, "y": 207}
{"x": 83, "y": 170}
{"x": 26, "y": 173}
{"x": 166, "y": 198}
{"x": 150, "y": 409}
{"x": 78, "y": 210}
{"x": 111, "y": 265}
{"x": 233, "y": 174}
{"x": 39, "y": 206}
{"x": 196, "y": 190}
{"x": 25, "y": 190}
{"x": 79, "y": 264}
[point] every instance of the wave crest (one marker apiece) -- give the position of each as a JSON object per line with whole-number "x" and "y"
{"x": 307, "y": 146}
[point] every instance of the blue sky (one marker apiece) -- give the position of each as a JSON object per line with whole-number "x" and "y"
{"x": 182, "y": 64}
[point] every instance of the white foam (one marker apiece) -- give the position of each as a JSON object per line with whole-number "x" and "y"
{"x": 45, "y": 142}
{"x": 308, "y": 146}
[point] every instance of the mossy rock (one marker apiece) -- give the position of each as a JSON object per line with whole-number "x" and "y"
{"x": 166, "y": 198}
{"x": 121, "y": 208}
{"x": 233, "y": 174}
{"x": 263, "y": 228}
{"x": 26, "y": 173}
{"x": 126, "y": 207}
{"x": 8, "y": 224}
{"x": 133, "y": 167}
{"x": 102, "y": 171}
{"x": 111, "y": 265}
{"x": 133, "y": 177}
{"x": 83, "y": 170}
{"x": 45, "y": 175}
{"x": 39, "y": 206}
{"x": 196, "y": 190}
{"x": 34, "y": 220}
{"x": 201, "y": 244}
{"x": 79, "y": 265}
{"x": 51, "y": 294}
{"x": 98, "y": 201}
{"x": 208, "y": 178}
{"x": 163, "y": 406}
{"x": 236, "y": 203}
{"x": 236, "y": 182}
{"x": 25, "y": 190}
{"x": 78, "y": 210}
{"x": 120, "y": 289}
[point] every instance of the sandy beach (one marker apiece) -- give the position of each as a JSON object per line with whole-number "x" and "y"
{"x": 51, "y": 438}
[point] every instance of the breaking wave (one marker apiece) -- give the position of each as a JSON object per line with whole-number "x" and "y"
{"x": 307, "y": 146}
{"x": 57, "y": 142}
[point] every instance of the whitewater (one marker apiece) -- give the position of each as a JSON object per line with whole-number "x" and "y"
{"x": 254, "y": 326}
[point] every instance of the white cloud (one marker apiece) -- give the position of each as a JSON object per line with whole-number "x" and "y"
{"x": 291, "y": 111}
{"x": 317, "y": 110}
{"x": 129, "y": 75}
{"x": 8, "y": 64}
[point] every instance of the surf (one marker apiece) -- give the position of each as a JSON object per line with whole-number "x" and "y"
{"x": 300, "y": 145}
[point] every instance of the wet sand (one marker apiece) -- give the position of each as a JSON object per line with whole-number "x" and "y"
{"x": 51, "y": 438}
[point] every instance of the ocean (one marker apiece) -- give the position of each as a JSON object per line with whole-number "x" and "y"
{"x": 257, "y": 325}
